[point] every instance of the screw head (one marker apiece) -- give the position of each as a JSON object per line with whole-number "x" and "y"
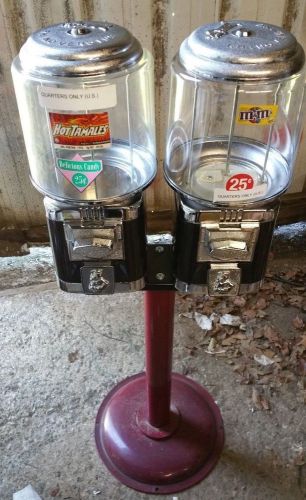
{"x": 159, "y": 249}
{"x": 242, "y": 33}
{"x": 160, "y": 276}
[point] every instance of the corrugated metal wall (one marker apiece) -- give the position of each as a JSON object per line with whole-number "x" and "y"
{"x": 160, "y": 25}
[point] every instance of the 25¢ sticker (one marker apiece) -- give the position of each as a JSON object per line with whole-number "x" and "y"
{"x": 239, "y": 182}
{"x": 240, "y": 187}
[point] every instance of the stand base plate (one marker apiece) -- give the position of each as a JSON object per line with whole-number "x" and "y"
{"x": 166, "y": 464}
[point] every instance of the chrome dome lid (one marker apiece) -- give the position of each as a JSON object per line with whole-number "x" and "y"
{"x": 79, "y": 49}
{"x": 241, "y": 51}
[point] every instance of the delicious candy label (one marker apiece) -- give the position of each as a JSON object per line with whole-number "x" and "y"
{"x": 79, "y": 131}
{"x": 253, "y": 114}
{"x": 79, "y": 172}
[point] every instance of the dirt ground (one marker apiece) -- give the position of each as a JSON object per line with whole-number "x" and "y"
{"x": 61, "y": 354}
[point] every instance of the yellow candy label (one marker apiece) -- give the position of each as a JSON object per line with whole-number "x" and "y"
{"x": 252, "y": 114}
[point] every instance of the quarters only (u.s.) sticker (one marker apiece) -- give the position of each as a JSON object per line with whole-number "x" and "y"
{"x": 240, "y": 187}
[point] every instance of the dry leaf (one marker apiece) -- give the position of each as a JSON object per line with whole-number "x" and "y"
{"x": 257, "y": 351}
{"x": 229, "y": 319}
{"x": 203, "y": 321}
{"x": 301, "y": 367}
{"x": 238, "y": 336}
{"x": 298, "y": 323}
{"x": 265, "y": 403}
{"x": 259, "y": 400}
{"x": 302, "y": 342}
{"x": 299, "y": 455}
{"x": 270, "y": 334}
{"x": 239, "y": 368}
{"x": 249, "y": 314}
{"x": 290, "y": 274}
{"x": 239, "y": 301}
{"x": 258, "y": 334}
{"x": 228, "y": 341}
{"x": 269, "y": 353}
{"x": 189, "y": 315}
{"x": 263, "y": 360}
{"x": 256, "y": 398}
{"x": 295, "y": 300}
{"x": 261, "y": 304}
{"x": 268, "y": 285}
{"x": 212, "y": 345}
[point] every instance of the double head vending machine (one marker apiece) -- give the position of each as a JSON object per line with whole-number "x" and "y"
{"x": 85, "y": 97}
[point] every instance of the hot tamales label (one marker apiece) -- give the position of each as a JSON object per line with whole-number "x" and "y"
{"x": 80, "y": 131}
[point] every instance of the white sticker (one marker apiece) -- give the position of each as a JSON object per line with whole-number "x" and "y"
{"x": 224, "y": 195}
{"x": 91, "y": 98}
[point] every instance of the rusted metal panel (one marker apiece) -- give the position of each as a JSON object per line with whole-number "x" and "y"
{"x": 160, "y": 25}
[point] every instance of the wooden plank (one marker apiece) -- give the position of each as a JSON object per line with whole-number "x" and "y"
{"x": 108, "y": 10}
{"x": 293, "y": 16}
{"x": 294, "y": 19}
{"x": 173, "y": 20}
{"x": 159, "y": 195}
{"x": 271, "y": 11}
{"x": 204, "y": 12}
{"x": 293, "y": 208}
{"x": 239, "y": 9}
{"x": 20, "y": 203}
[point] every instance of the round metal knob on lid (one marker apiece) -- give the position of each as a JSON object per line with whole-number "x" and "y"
{"x": 80, "y": 49}
{"x": 241, "y": 51}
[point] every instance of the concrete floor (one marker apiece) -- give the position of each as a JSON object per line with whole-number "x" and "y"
{"x": 61, "y": 354}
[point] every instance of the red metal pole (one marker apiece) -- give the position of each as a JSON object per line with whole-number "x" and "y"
{"x": 145, "y": 443}
{"x": 159, "y": 314}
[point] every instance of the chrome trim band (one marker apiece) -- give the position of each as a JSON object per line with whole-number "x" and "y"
{"x": 183, "y": 287}
{"x": 132, "y": 286}
{"x": 90, "y": 212}
{"x": 229, "y": 215}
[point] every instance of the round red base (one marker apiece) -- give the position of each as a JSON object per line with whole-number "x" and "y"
{"x": 172, "y": 461}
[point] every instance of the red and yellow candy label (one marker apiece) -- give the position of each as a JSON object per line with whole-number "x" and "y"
{"x": 80, "y": 131}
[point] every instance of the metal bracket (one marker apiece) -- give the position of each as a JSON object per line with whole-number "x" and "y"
{"x": 160, "y": 262}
